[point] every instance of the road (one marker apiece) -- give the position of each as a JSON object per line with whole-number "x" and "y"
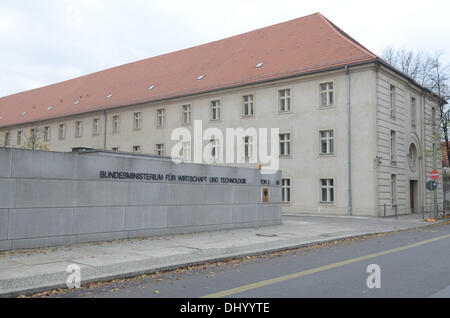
{"x": 414, "y": 263}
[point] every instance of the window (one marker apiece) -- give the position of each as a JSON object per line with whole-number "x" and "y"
{"x": 392, "y": 99}
{"x": 394, "y": 189}
{"x": 393, "y": 146}
{"x": 286, "y": 190}
{"x": 47, "y": 133}
{"x": 326, "y": 94}
{"x": 186, "y": 151}
{"x": 96, "y": 127}
{"x": 327, "y": 142}
{"x": 78, "y": 129}
{"x": 136, "y": 148}
{"x": 187, "y": 114}
{"x": 247, "y": 105}
{"x": 160, "y": 150}
{"x": 327, "y": 190}
{"x": 19, "y": 137}
{"x": 137, "y": 121}
{"x": 284, "y": 100}
{"x": 6, "y": 141}
{"x": 115, "y": 149}
{"x": 214, "y": 149}
{"x": 160, "y": 117}
{"x": 413, "y": 112}
{"x": 285, "y": 144}
{"x": 215, "y": 110}
{"x": 248, "y": 147}
{"x": 62, "y": 131}
{"x": 116, "y": 124}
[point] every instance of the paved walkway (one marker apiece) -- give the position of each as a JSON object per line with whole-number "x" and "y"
{"x": 29, "y": 271}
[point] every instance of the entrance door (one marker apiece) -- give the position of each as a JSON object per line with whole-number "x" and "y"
{"x": 412, "y": 195}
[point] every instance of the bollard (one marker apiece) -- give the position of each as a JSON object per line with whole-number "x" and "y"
{"x": 385, "y": 210}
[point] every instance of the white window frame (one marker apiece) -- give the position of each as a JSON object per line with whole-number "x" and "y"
{"x": 327, "y": 92}
{"x": 413, "y": 111}
{"x": 137, "y": 148}
{"x": 393, "y": 147}
{"x": 329, "y": 140}
{"x": 186, "y": 151}
{"x": 19, "y": 139}
{"x": 116, "y": 124}
{"x": 215, "y": 110}
{"x": 62, "y": 131}
{"x": 329, "y": 188}
{"x": 248, "y": 147}
{"x": 285, "y": 99}
{"x": 392, "y": 99}
{"x": 248, "y": 105}
{"x": 215, "y": 148}
{"x": 285, "y": 139}
{"x": 137, "y": 121}
{"x": 286, "y": 186}
{"x": 160, "y": 149}
{"x": 78, "y": 129}
{"x": 186, "y": 111}
{"x": 47, "y": 134}
{"x": 394, "y": 194}
{"x": 161, "y": 118}
{"x": 96, "y": 127}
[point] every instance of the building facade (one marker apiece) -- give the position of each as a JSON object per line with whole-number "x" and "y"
{"x": 355, "y": 135}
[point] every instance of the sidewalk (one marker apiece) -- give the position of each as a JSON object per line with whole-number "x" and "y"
{"x": 30, "y": 271}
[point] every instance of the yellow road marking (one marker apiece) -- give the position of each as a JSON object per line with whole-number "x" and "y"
{"x": 319, "y": 269}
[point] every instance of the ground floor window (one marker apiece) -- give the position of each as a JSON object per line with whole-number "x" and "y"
{"x": 394, "y": 189}
{"x": 286, "y": 190}
{"x": 327, "y": 190}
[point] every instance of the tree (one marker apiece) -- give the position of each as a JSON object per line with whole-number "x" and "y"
{"x": 428, "y": 71}
{"x": 5, "y": 140}
{"x": 33, "y": 140}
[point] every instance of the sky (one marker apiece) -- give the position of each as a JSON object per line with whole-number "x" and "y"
{"x": 48, "y": 41}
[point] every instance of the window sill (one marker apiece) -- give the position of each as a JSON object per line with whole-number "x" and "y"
{"x": 327, "y": 106}
{"x": 247, "y": 116}
{"x": 284, "y": 113}
{"x": 331, "y": 204}
{"x": 285, "y": 156}
{"x": 325, "y": 155}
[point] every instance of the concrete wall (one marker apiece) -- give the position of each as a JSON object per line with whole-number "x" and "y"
{"x": 50, "y": 198}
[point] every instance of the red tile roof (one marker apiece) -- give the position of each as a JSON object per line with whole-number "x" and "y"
{"x": 310, "y": 43}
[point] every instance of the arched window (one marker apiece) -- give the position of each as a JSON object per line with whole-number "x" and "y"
{"x": 412, "y": 157}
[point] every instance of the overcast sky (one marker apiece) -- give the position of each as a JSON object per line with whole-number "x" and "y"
{"x": 48, "y": 41}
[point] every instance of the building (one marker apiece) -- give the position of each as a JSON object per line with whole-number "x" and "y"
{"x": 354, "y": 136}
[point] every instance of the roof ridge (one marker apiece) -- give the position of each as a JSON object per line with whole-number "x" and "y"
{"x": 345, "y": 36}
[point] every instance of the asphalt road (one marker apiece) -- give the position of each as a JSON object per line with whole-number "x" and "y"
{"x": 414, "y": 263}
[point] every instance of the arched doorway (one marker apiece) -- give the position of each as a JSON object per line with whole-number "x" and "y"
{"x": 413, "y": 183}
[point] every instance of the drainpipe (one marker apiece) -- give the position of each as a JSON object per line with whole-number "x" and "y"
{"x": 349, "y": 132}
{"x": 104, "y": 133}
